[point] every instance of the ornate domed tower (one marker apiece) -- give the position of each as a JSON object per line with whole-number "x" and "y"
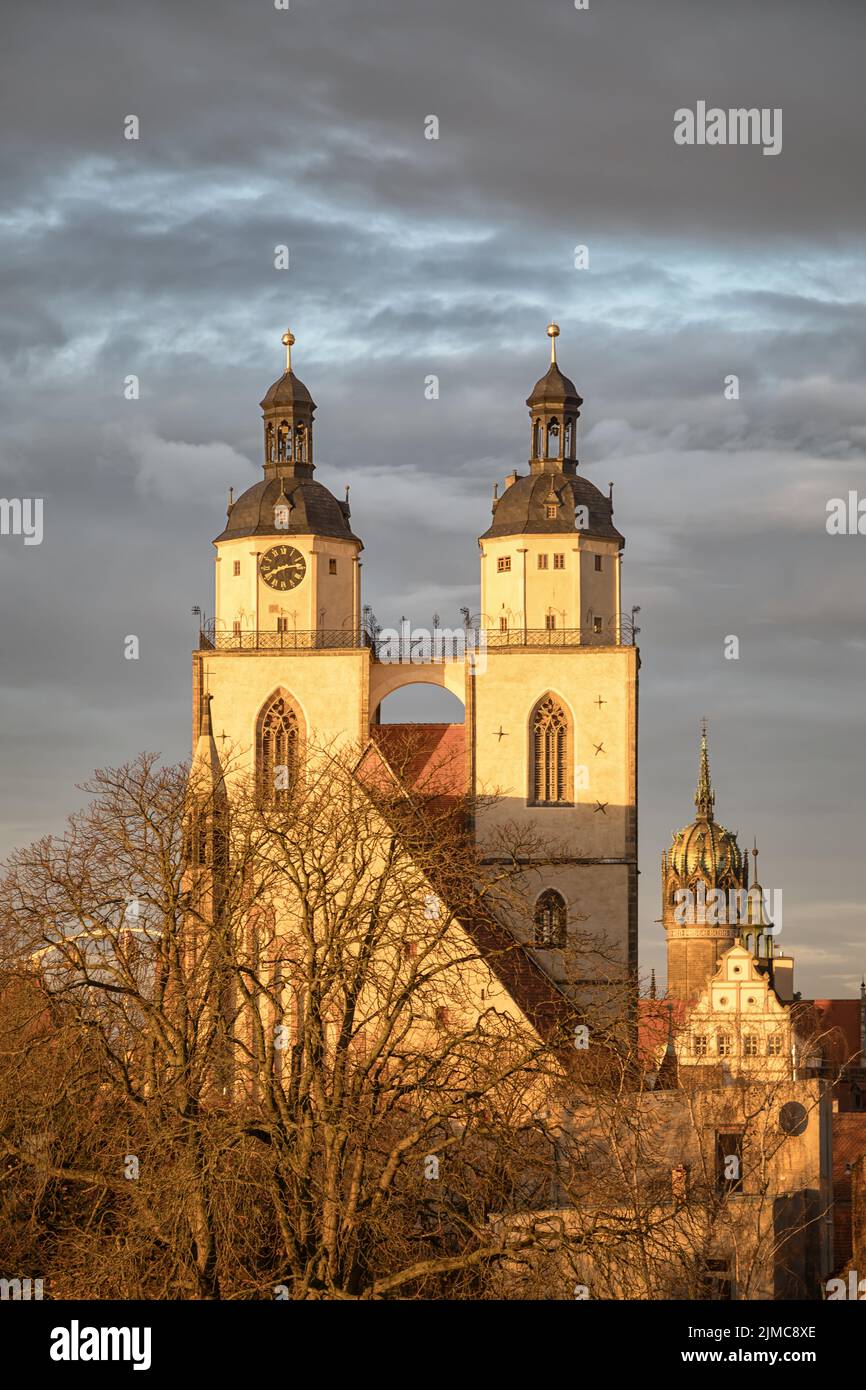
{"x": 287, "y": 561}
{"x": 553, "y": 710}
{"x": 551, "y": 555}
{"x": 703, "y": 858}
{"x": 284, "y": 658}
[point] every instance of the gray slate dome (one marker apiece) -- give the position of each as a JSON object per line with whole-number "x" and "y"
{"x": 522, "y": 508}
{"x": 288, "y": 391}
{"x": 312, "y": 510}
{"x": 555, "y": 388}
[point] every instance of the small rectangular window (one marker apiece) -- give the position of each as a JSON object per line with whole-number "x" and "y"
{"x": 750, "y": 1045}
{"x": 542, "y": 562}
{"x": 724, "y": 1045}
{"x": 236, "y": 629}
{"x": 503, "y": 563}
{"x": 699, "y": 1045}
{"x": 503, "y": 624}
{"x": 550, "y": 621}
{"x": 596, "y": 624}
{"x": 559, "y": 562}
{"x": 332, "y": 567}
{"x": 552, "y": 511}
{"x": 598, "y": 562}
{"x": 774, "y": 1045}
{"x": 236, "y": 567}
{"x": 282, "y": 624}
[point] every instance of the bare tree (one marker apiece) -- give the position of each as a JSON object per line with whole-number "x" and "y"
{"x": 304, "y": 1045}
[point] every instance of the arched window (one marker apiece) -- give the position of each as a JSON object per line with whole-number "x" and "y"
{"x": 550, "y": 754}
{"x": 568, "y": 450}
{"x": 551, "y": 920}
{"x": 301, "y": 444}
{"x": 536, "y": 439}
{"x": 277, "y": 748}
{"x": 269, "y": 443}
{"x": 552, "y": 450}
{"x": 284, "y": 442}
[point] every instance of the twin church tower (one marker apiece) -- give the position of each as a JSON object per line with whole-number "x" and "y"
{"x": 549, "y": 681}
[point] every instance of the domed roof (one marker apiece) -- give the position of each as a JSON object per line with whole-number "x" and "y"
{"x": 554, "y": 389}
{"x": 705, "y": 849}
{"x": 522, "y": 508}
{"x": 289, "y": 391}
{"x": 708, "y": 851}
{"x": 313, "y": 510}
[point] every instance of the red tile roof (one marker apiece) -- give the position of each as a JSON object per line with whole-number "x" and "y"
{"x": 840, "y": 1018}
{"x": 656, "y": 1018}
{"x": 430, "y": 759}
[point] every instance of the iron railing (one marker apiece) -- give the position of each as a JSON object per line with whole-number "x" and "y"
{"x": 438, "y": 645}
{"x": 295, "y": 639}
{"x": 561, "y": 637}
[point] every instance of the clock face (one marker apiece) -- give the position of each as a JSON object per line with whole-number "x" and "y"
{"x": 283, "y": 567}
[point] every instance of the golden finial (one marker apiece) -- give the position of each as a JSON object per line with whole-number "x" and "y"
{"x": 553, "y": 334}
{"x": 288, "y": 342}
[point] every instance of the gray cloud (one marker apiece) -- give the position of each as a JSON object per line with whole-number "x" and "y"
{"x": 409, "y": 257}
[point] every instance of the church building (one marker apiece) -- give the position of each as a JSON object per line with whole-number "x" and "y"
{"x": 548, "y": 673}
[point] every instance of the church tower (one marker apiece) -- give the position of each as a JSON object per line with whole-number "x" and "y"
{"x": 552, "y": 703}
{"x": 704, "y": 858}
{"x": 284, "y": 658}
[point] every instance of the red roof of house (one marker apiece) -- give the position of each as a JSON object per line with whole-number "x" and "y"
{"x": 841, "y": 1018}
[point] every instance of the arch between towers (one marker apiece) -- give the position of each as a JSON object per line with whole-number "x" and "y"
{"x": 385, "y": 678}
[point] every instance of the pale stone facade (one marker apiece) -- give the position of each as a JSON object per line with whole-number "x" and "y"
{"x": 739, "y": 1023}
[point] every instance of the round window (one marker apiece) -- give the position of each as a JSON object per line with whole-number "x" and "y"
{"x": 793, "y": 1118}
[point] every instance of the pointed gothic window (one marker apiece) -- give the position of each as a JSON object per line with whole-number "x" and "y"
{"x": 277, "y": 740}
{"x": 550, "y": 920}
{"x": 550, "y": 754}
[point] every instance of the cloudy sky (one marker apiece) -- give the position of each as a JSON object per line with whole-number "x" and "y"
{"x": 409, "y": 256}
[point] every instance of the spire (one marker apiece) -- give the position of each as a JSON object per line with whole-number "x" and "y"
{"x": 668, "y": 1073}
{"x": 705, "y": 797}
{"x": 206, "y": 726}
{"x": 206, "y": 773}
